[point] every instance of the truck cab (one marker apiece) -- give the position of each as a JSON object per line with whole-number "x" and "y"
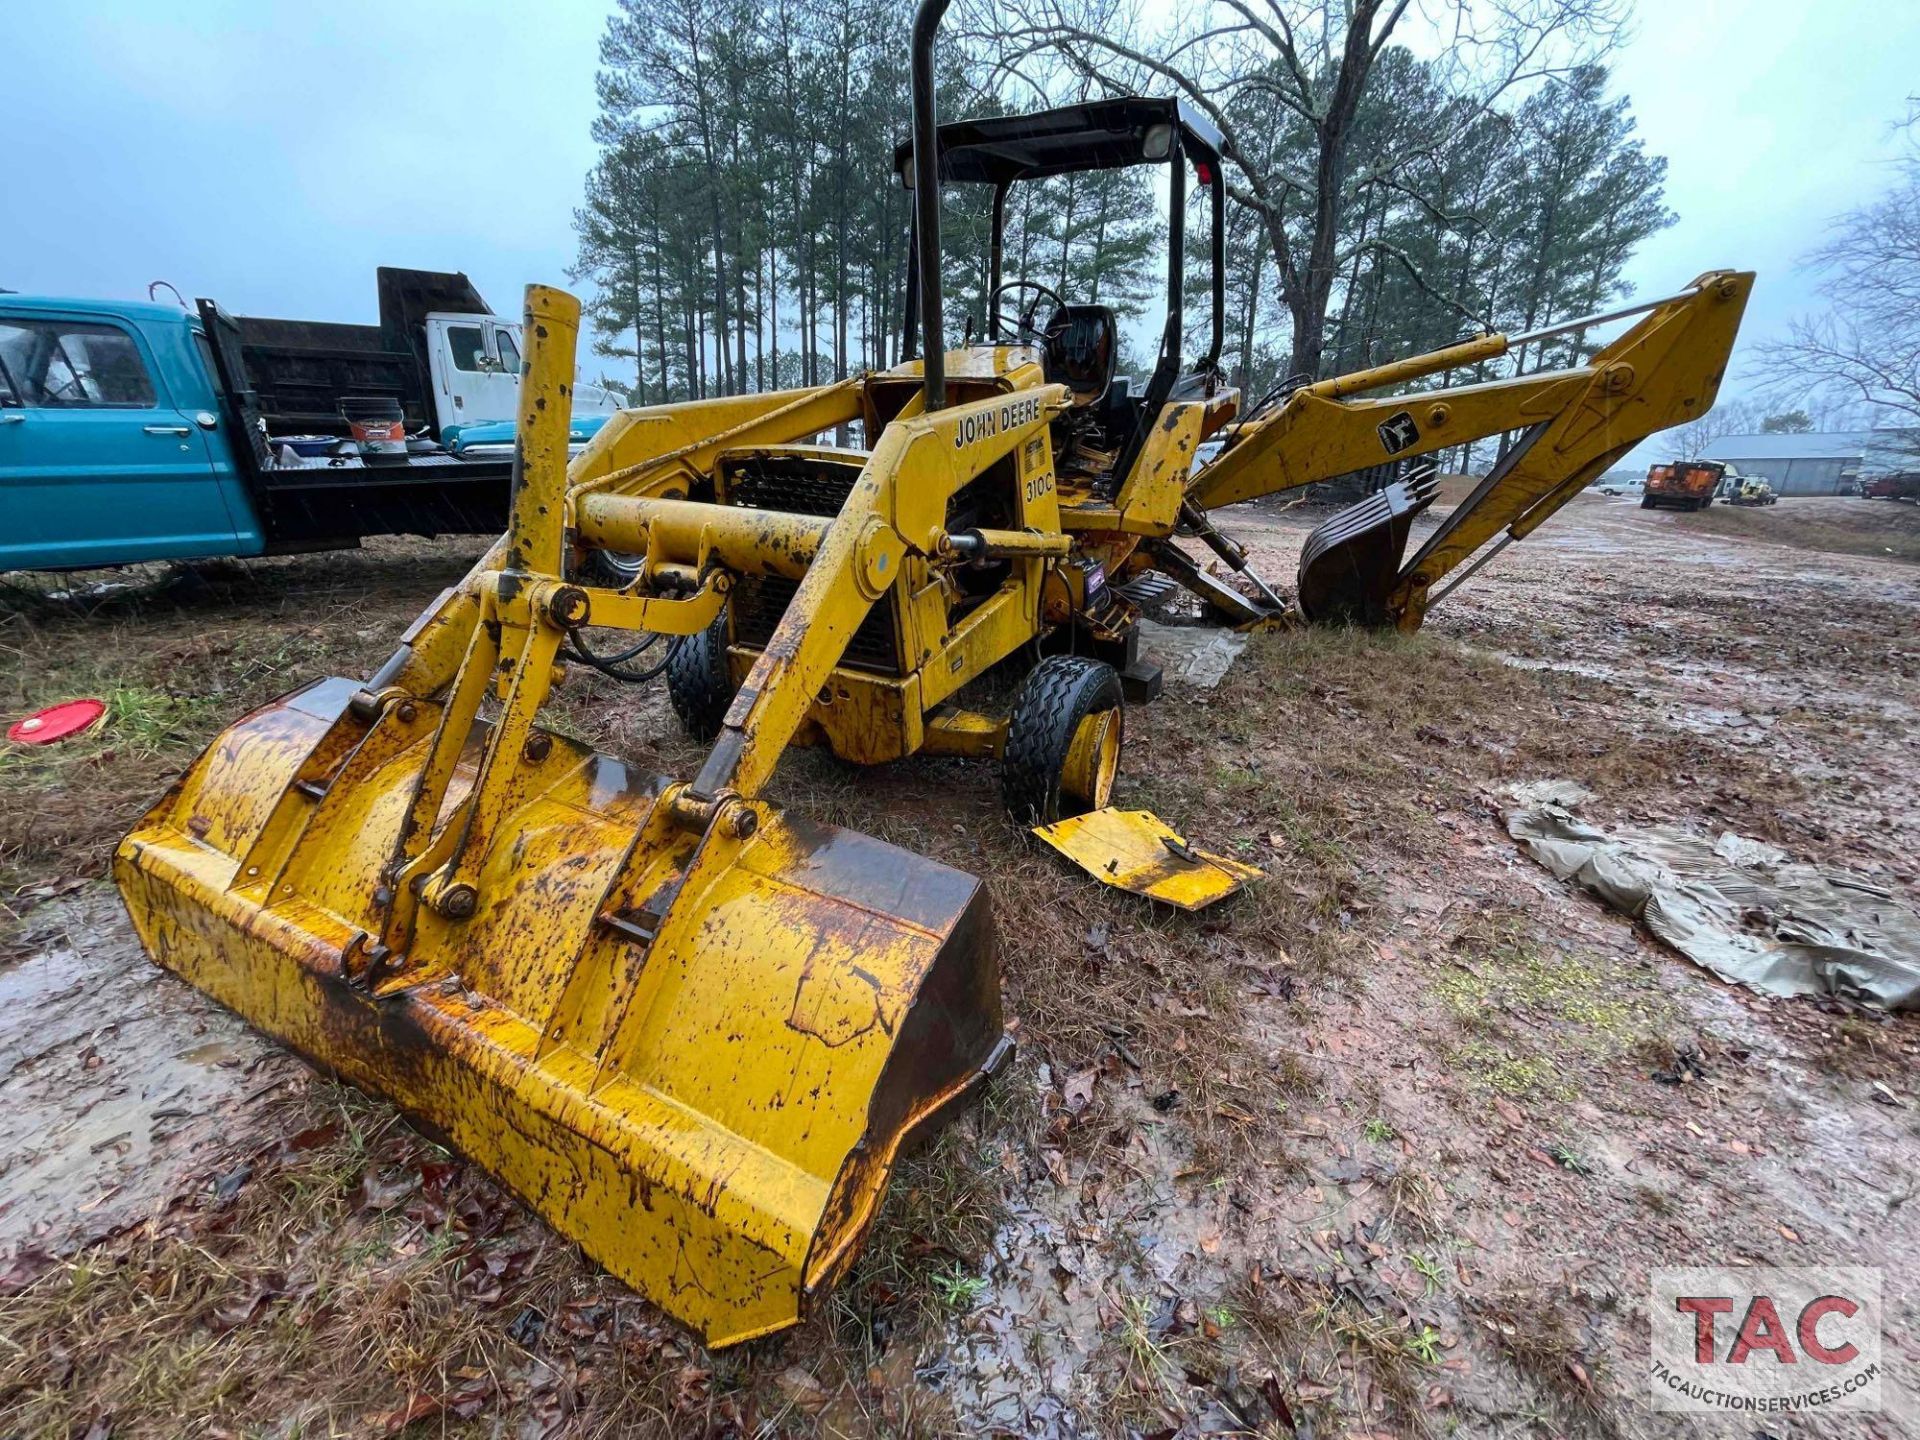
{"x": 132, "y": 432}
{"x": 113, "y": 444}
{"x": 473, "y": 362}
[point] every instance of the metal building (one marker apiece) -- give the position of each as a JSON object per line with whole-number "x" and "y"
{"x": 1813, "y": 464}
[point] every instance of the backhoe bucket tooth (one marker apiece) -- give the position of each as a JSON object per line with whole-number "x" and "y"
{"x": 710, "y": 1104}
{"x": 1351, "y": 563}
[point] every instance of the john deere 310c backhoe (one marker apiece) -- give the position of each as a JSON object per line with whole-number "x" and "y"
{"x": 693, "y": 1031}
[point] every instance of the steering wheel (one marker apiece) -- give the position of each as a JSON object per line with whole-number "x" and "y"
{"x": 1025, "y": 333}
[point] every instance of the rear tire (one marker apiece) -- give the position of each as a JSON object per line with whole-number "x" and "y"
{"x": 1646, "y": 503}
{"x": 1059, "y": 696}
{"x": 699, "y": 683}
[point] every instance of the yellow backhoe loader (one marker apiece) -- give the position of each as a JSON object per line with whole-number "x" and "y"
{"x": 693, "y": 1031}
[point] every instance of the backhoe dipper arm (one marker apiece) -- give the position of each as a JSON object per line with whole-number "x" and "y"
{"x": 1663, "y": 371}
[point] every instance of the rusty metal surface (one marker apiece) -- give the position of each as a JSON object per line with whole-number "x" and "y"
{"x": 1138, "y": 851}
{"x": 712, "y": 1120}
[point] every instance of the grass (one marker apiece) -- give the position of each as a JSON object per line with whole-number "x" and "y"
{"x": 1886, "y": 530}
{"x": 1094, "y": 977}
{"x": 1535, "y": 1329}
{"x": 1431, "y": 1272}
{"x": 302, "y": 1308}
{"x": 1568, "y": 1158}
{"x": 1338, "y": 761}
{"x": 177, "y": 653}
{"x": 1535, "y": 1014}
{"x": 1864, "y": 1047}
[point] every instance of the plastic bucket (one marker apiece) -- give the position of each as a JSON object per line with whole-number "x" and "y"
{"x": 377, "y": 424}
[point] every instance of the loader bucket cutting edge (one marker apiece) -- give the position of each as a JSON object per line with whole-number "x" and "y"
{"x": 714, "y": 1124}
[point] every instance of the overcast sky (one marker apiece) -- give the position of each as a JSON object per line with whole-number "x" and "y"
{"x": 272, "y": 154}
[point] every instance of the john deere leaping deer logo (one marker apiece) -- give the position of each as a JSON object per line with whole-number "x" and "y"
{"x": 1398, "y": 432}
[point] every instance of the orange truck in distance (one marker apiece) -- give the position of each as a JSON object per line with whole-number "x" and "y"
{"x": 1683, "y": 484}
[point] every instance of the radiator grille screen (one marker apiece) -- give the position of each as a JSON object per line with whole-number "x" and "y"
{"x": 759, "y": 601}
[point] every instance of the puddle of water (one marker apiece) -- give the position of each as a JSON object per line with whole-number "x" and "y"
{"x": 1590, "y": 668}
{"x": 114, "y": 1077}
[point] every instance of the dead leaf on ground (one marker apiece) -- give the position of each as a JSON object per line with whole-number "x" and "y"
{"x": 802, "y": 1390}
{"x": 1077, "y": 1089}
{"x": 311, "y": 1138}
{"x": 418, "y": 1408}
{"x": 389, "y": 1193}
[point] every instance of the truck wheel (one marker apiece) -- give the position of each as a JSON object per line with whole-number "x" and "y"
{"x": 1063, "y": 742}
{"x": 1646, "y": 503}
{"x": 698, "y": 681}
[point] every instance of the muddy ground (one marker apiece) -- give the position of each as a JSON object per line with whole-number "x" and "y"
{"x": 1388, "y": 1146}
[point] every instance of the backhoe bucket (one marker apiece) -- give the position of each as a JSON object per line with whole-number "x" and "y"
{"x": 1350, "y": 564}
{"x": 710, "y": 1103}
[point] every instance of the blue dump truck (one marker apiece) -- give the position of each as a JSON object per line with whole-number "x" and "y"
{"x": 133, "y": 432}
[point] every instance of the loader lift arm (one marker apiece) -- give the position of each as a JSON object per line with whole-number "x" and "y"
{"x": 1572, "y": 425}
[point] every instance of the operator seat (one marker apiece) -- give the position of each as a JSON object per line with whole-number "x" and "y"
{"x": 1082, "y": 350}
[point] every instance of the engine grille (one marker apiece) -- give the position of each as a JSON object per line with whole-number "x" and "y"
{"x": 759, "y": 601}
{"x": 799, "y": 484}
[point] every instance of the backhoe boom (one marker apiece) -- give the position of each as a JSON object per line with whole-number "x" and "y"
{"x": 1570, "y": 425}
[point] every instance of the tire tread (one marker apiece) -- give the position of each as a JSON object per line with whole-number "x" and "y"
{"x": 1058, "y": 694}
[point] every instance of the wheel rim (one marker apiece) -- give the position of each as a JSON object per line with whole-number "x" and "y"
{"x": 1093, "y": 759}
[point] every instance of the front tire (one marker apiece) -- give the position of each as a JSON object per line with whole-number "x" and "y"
{"x": 1063, "y": 742}
{"x": 699, "y": 682}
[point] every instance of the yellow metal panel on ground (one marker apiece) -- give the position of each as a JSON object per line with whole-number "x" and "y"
{"x": 1138, "y": 851}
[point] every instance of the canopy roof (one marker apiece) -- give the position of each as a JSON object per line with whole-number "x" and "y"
{"x": 1098, "y": 135}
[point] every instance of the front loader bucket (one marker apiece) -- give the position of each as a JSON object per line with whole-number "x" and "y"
{"x": 712, "y": 1118}
{"x": 1350, "y": 564}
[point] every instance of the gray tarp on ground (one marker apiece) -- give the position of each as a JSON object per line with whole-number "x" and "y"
{"x": 1199, "y": 655}
{"x": 1737, "y": 906}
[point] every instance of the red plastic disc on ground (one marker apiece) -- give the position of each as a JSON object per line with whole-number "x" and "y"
{"x": 56, "y": 722}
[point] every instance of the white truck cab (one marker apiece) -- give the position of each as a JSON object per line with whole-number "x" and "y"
{"x": 475, "y": 364}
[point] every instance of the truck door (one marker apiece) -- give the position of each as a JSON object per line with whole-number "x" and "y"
{"x": 479, "y": 385}
{"x": 98, "y": 466}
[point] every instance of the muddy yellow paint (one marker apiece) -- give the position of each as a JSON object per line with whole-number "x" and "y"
{"x": 712, "y": 1116}
{"x": 1136, "y": 850}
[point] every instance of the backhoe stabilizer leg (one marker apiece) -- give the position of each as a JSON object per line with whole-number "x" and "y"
{"x": 1227, "y": 603}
